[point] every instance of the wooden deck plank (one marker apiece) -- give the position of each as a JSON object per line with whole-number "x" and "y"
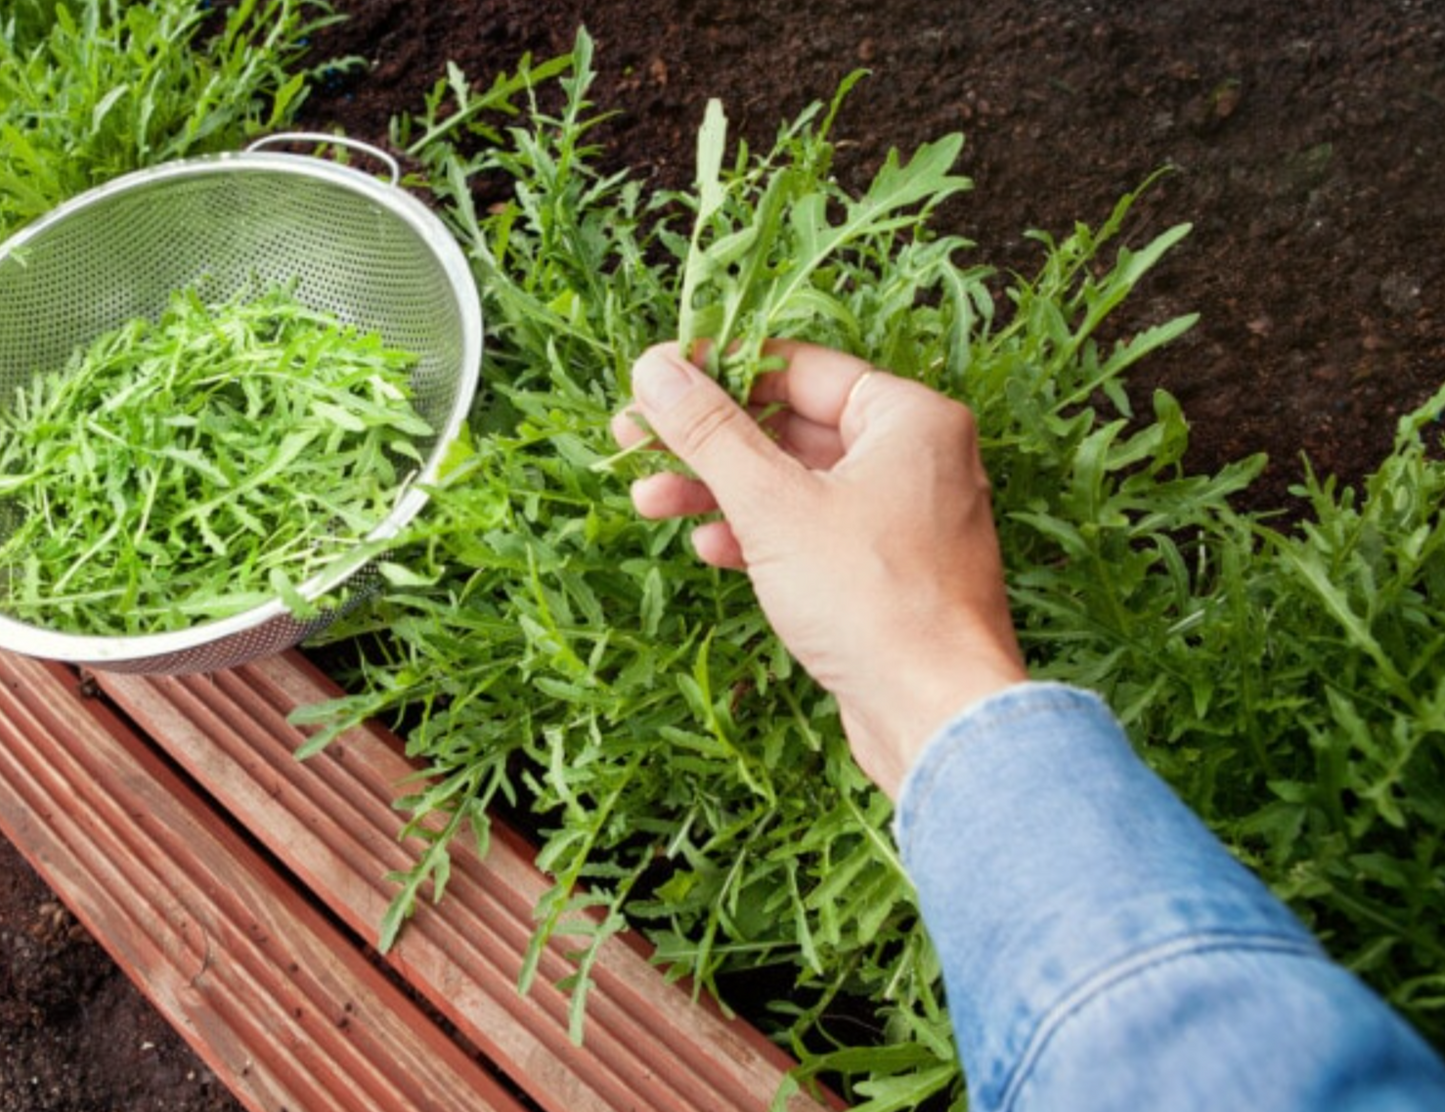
{"x": 648, "y": 1044}
{"x": 278, "y": 1002}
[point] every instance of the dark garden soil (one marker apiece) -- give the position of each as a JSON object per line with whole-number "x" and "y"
{"x": 1307, "y": 139}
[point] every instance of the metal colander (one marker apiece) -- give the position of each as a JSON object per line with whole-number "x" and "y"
{"x": 348, "y": 243}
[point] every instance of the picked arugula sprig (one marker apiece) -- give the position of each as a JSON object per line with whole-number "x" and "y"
{"x": 768, "y": 238}
{"x": 199, "y": 465}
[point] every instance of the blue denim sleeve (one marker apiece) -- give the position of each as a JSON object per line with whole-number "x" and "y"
{"x": 1102, "y": 950}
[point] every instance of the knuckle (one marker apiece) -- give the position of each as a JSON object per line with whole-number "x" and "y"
{"x": 706, "y": 429}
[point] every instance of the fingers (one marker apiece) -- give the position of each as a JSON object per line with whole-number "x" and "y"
{"x": 816, "y": 383}
{"x": 629, "y": 428}
{"x": 808, "y": 400}
{"x": 815, "y": 445}
{"x": 708, "y": 431}
{"x": 740, "y": 464}
{"x": 668, "y": 494}
{"x": 717, "y": 544}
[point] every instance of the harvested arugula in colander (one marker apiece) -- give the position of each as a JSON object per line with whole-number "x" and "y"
{"x": 198, "y": 465}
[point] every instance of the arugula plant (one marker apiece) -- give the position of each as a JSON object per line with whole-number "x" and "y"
{"x": 195, "y": 466}
{"x": 567, "y": 658}
{"x": 92, "y": 89}
{"x": 548, "y": 653}
{"x": 28, "y": 21}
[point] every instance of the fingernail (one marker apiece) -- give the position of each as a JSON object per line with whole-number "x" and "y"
{"x": 659, "y": 382}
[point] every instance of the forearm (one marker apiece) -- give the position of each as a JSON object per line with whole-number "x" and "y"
{"x": 1102, "y": 949}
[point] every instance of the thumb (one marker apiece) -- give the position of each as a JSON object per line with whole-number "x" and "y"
{"x": 705, "y": 428}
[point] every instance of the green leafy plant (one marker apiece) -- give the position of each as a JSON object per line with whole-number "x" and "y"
{"x": 195, "y": 466}
{"x": 773, "y": 249}
{"x": 568, "y": 658}
{"x": 549, "y": 654}
{"x": 92, "y": 90}
{"x": 28, "y": 21}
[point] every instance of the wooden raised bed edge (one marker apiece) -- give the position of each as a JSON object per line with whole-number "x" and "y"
{"x": 152, "y": 869}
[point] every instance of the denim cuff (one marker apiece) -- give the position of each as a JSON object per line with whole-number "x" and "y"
{"x": 1052, "y": 865}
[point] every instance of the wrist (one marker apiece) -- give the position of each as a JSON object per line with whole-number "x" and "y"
{"x": 890, "y": 731}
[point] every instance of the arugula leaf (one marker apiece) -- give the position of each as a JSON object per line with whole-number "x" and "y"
{"x": 178, "y": 470}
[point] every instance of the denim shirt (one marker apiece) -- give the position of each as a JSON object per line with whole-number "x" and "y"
{"x": 1102, "y": 950}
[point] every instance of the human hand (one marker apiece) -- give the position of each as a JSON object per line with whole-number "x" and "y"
{"x": 862, "y": 515}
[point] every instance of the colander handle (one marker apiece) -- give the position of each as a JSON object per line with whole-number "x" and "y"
{"x": 333, "y": 140}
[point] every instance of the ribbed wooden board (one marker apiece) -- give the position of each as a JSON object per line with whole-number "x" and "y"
{"x": 330, "y": 824}
{"x": 278, "y": 1002}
